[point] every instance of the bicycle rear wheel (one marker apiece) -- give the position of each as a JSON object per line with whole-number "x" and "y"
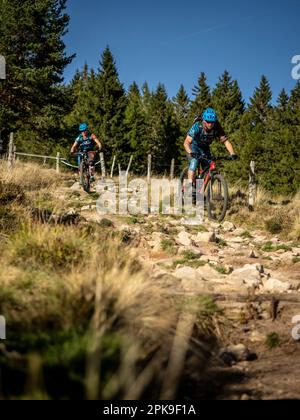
{"x": 217, "y": 198}
{"x": 85, "y": 176}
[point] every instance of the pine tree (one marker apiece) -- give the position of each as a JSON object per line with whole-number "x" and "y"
{"x": 163, "y": 130}
{"x": 146, "y": 97}
{"x": 181, "y": 104}
{"x": 260, "y": 102}
{"x": 228, "y": 102}
{"x": 202, "y": 94}
{"x": 283, "y": 100}
{"x": 86, "y": 104}
{"x": 294, "y": 104}
{"x": 112, "y": 105}
{"x": 136, "y": 128}
{"x": 31, "y": 39}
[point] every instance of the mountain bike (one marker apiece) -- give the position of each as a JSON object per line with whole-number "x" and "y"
{"x": 214, "y": 188}
{"x": 85, "y": 171}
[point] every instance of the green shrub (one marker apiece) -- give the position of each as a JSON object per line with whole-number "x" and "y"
{"x": 106, "y": 223}
{"x": 10, "y": 192}
{"x": 273, "y": 225}
{"x": 272, "y": 340}
{"x": 168, "y": 245}
{"x": 51, "y": 248}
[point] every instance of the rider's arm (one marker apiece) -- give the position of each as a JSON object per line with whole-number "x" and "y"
{"x": 224, "y": 139}
{"x": 187, "y": 144}
{"x": 74, "y": 147}
{"x": 97, "y": 141}
{"x": 229, "y": 147}
{"x": 192, "y": 133}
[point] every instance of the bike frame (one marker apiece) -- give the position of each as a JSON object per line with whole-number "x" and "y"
{"x": 207, "y": 175}
{"x": 83, "y": 156}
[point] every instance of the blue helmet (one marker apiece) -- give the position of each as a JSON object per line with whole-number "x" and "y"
{"x": 210, "y": 115}
{"x": 83, "y": 127}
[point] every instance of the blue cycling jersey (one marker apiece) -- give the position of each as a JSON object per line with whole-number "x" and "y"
{"x": 86, "y": 144}
{"x": 202, "y": 139}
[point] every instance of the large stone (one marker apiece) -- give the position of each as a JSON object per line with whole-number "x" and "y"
{"x": 75, "y": 186}
{"x": 259, "y": 238}
{"x": 253, "y": 254}
{"x": 254, "y": 267}
{"x": 209, "y": 273}
{"x": 249, "y": 275}
{"x": 236, "y": 354}
{"x": 210, "y": 258}
{"x": 184, "y": 238}
{"x": 196, "y": 251}
{"x": 281, "y": 251}
{"x": 228, "y": 226}
{"x": 195, "y": 285}
{"x": 186, "y": 273}
{"x": 239, "y": 231}
{"x": 86, "y": 208}
{"x": 276, "y": 286}
{"x": 155, "y": 242}
{"x": 206, "y": 237}
{"x": 296, "y": 252}
{"x": 237, "y": 240}
{"x": 257, "y": 337}
{"x": 192, "y": 221}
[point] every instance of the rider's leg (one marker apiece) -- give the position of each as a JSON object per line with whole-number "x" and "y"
{"x": 92, "y": 163}
{"x": 79, "y": 157}
{"x": 194, "y": 164}
{"x": 193, "y": 167}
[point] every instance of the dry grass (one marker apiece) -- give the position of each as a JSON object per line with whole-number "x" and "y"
{"x": 275, "y": 214}
{"x": 84, "y": 318}
{"x": 76, "y": 300}
{"x": 31, "y": 176}
{"x": 67, "y": 298}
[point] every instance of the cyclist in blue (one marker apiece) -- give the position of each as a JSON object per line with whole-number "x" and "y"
{"x": 86, "y": 142}
{"x": 200, "y": 137}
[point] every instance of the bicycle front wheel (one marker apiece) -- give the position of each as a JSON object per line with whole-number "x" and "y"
{"x": 85, "y": 177}
{"x": 217, "y": 198}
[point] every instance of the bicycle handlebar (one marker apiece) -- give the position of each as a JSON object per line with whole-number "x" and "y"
{"x": 213, "y": 159}
{"x": 83, "y": 153}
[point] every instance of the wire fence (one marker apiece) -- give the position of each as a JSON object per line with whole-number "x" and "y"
{"x": 149, "y": 169}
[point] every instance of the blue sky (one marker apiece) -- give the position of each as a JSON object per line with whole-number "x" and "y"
{"x": 173, "y": 41}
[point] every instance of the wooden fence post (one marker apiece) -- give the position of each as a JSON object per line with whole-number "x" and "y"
{"x": 57, "y": 162}
{"x": 11, "y": 152}
{"x": 172, "y": 169}
{"x": 149, "y": 169}
{"x": 14, "y": 154}
{"x": 113, "y": 167}
{"x": 102, "y": 161}
{"x": 252, "y": 186}
{"x": 1, "y": 142}
{"x": 129, "y": 166}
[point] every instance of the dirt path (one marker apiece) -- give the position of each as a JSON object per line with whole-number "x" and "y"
{"x": 254, "y": 278}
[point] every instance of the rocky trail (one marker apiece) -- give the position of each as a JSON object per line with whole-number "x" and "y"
{"x": 252, "y": 276}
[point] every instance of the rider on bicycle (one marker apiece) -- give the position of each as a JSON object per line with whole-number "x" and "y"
{"x": 86, "y": 142}
{"x": 200, "y": 137}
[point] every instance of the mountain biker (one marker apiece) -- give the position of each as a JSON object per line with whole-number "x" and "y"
{"x": 86, "y": 142}
{"x": 200, "y": 137}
